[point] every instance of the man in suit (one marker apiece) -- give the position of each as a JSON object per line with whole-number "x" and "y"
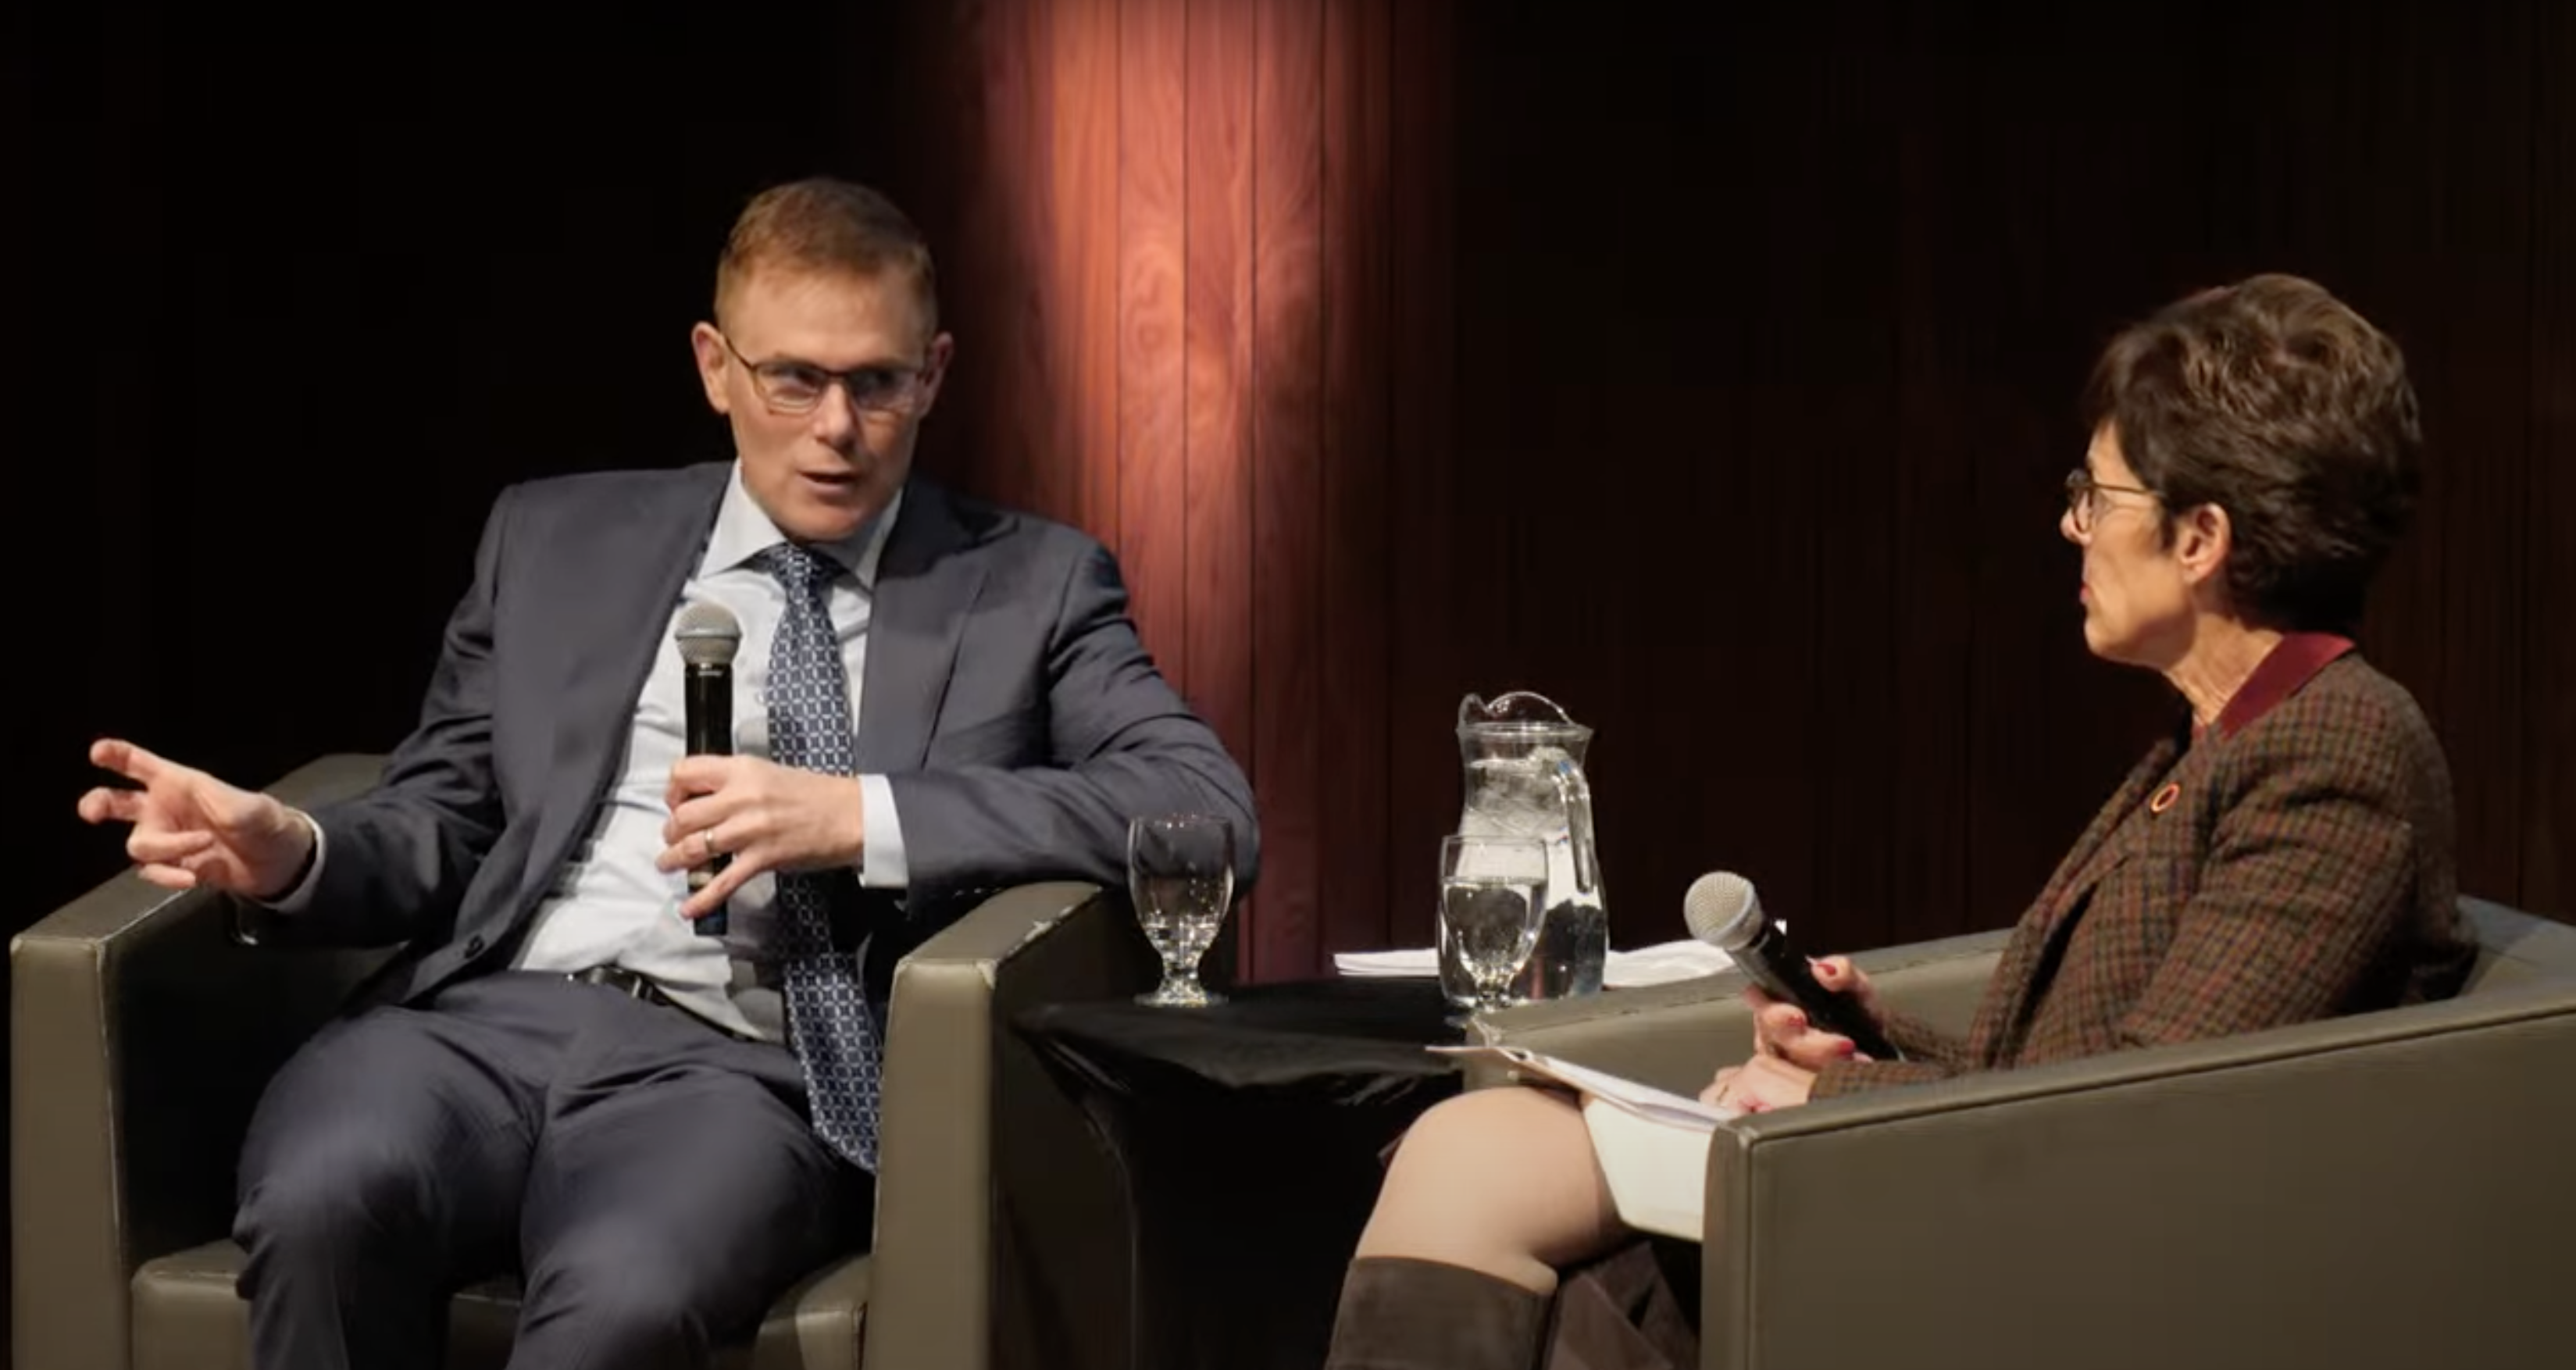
{"x": 562, "y": 1073}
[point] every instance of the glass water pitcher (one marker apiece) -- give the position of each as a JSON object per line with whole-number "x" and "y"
{"x": 1524, "y": 778}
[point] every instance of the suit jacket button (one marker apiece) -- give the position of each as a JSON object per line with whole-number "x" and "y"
{"x": 473, "y": 946}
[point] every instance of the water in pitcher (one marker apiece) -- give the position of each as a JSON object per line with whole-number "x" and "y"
{"x": 1524, "y": 778}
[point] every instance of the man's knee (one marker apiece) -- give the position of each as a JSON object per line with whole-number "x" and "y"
{"x": 337, "y": 1195}
{"x": 638, "y": 1298}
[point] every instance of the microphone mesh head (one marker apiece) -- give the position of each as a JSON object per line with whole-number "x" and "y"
{"x": 1721, "y": 910}
{"x": 708, "y": 635}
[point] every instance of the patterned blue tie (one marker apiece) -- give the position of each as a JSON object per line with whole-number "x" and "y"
{"x": 809, "y": 728}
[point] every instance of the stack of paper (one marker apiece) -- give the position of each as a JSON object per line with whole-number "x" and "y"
{"x": 1387, "y": 963}
{"x": 1684, "y": 960}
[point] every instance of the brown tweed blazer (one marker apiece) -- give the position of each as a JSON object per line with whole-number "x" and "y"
{"x": 2292, "y": 865}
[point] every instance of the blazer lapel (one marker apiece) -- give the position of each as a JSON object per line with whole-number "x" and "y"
{"x": 2105, "y": 844}
{"x": 924, "y": 591}
{"x": 2095, "y": 854}
{"x": 612, "y": 604}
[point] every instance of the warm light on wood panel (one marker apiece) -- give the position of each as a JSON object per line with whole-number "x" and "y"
{"x": 1218, "y": 382}
{"x": 1178, "y": 218}
{"x": 1287, "y": 544}
{"x": 1153, "y": 253}
{"x": 1355, "y": 900}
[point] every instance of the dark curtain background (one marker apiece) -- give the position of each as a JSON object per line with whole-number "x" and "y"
{"x": 1709, "y": 370}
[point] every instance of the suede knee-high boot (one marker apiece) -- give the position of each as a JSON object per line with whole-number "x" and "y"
{"x": 1398, "y": 1313}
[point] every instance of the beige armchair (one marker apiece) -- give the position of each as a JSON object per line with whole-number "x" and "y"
{"x": 142, "y": 1032}
{"x": 2387, "y": 1189}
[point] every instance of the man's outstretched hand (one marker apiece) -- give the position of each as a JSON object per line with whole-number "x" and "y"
{"x": 191, "y": 829}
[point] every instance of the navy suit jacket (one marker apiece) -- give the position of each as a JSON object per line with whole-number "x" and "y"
{"x": 1017, "y": 717}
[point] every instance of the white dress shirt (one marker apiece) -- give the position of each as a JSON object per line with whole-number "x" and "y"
{"x": 610, "y": 906}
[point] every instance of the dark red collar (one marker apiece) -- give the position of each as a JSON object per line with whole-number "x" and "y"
{"x": 2292, "y": 662}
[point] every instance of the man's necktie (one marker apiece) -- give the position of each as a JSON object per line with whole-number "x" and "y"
{"x": 809, "y": 728}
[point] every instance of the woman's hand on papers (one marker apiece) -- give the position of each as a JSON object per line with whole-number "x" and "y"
{"x": 1759, "y": 1085}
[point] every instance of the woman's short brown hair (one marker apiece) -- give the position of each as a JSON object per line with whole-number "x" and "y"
{"x": 2276, "y": 402}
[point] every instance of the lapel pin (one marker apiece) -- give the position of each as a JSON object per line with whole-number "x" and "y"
{"x": 2165, "y": 797}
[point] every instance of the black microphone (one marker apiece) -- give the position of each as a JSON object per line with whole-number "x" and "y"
{"x": 1722, "y": 911}
{"x": 708, "y": 637}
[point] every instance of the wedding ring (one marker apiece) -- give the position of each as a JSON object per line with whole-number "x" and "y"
{"x": 707, "y": 841}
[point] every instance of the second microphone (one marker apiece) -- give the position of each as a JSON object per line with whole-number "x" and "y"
{"x": 1722, "y": 911}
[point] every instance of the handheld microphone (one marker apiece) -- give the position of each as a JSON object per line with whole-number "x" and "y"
{"x": 1723, "y": 912}
{"x": 708, "y": 636}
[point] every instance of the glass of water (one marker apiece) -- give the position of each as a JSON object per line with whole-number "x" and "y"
{"x": 1180, "y": 872}
{"x": 1493, "y": 892}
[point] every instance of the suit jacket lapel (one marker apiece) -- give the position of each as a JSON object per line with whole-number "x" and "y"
{"x": 2106, "y": 843}
{"x": 924, "y": 590}
{"x": 612, "y": 606}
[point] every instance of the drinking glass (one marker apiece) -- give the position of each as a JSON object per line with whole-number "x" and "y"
{"x": 1180, "y": 871}
{"x": 1493, "y": 893}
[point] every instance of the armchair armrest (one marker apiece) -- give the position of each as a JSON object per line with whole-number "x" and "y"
{"x": 1675, "y": 1036}
{"x": 974, "y": 1137}
{"x": 2514, "y": 946}
{"x": 141, "y": 1034}
{"x": 2303, "y": 1195}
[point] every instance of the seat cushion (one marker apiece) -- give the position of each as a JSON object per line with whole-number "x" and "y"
{"x": 187, "y": 1317}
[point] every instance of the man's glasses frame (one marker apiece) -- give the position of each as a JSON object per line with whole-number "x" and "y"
{"x": 788, "y": 386}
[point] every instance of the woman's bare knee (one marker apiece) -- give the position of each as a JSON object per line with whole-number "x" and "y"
{"x": 1500, "y": 1180}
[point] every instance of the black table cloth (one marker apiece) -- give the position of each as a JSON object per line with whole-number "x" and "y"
{"x": 1249, "y": 1136}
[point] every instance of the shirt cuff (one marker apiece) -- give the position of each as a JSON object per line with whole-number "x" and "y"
{"x": 881, "y": 865}
{"x": 301, "y": 893}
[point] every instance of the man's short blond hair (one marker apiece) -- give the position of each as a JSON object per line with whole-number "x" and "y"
{"x": 826, "y": 226}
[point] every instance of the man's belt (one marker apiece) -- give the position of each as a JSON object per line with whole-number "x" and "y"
{"x": 620, "y": 979}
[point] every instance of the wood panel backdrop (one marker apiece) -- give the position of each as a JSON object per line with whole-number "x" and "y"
{"x": 1714, "y": 375}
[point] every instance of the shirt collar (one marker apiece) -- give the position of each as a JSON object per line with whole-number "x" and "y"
{"x": 743, "y": 531}
{"x": 2291, "y": 664}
